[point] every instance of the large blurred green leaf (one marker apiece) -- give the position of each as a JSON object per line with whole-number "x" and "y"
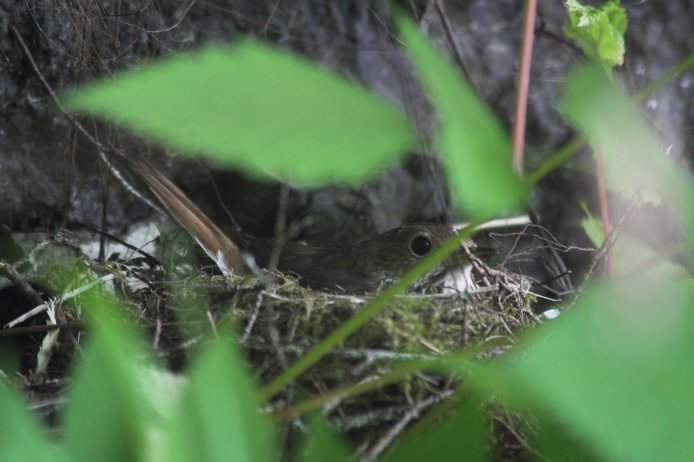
{"x": 634, "y": 161}
{"x": 616, "y": 371}
{"x": 474, "y": 147}
{"x": 322, "y": 443}
{"x": 551, "y": 442}
{"x": 21, "y": 436}
{"x": 219, "y": 418}
{"x": 107, "y": 417}
{"x": 462, "y": 437}
{"x": 265, "y": 111}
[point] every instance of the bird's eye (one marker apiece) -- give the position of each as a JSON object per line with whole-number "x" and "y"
{"x": 420, "y": 245}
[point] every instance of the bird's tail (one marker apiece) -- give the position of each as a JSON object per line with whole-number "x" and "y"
{"x": 216, "y": 244}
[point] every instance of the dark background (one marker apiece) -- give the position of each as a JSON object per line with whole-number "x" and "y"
{"x": 49, "y": 177}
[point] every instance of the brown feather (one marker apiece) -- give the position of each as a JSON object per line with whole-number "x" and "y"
{"x": 220, "y": 248}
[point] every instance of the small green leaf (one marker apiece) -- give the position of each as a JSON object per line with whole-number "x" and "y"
{"x": 219, "y": 418}
{"x": 615, "y": 371}
{"x": 264, "y": 111}
{"x": 107, "y": 416}
{"x": 21, "y": 437}
{"x": 474, "y": 147}
{"x": 462, "y": 437}
{"x": 598, "y": 31}
{"x": 592, "y": 227}
{"x": 322, "y": 444}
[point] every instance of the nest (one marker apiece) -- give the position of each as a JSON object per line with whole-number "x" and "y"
{"x": 277, "y": 321}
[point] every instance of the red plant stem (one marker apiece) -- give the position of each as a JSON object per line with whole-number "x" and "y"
{"x": 526, "y": 54}
{"x": 604, "y": 207}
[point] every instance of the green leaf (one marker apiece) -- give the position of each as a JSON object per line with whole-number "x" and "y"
{"x": 107, "y": 417}
{"x": 475, "y": 150}
{"x": 21, "y": 436}
{"x": 598, "y": 31}
{"x": 264, "y": 111}
{"x": 552, "y": 442}
{"x": 635, "y": 164}
{"x": 592, "y": 227}
{"x": 219, "y": 418}
{"x": 615, "y": 371}
{"x": 462, "y": 437}
{"x": 322, "y": 444}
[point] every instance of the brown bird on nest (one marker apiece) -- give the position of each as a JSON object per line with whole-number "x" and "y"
{"x": 364, "y": 266}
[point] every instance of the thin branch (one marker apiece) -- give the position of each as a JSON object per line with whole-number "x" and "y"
{"x": 52, "y": 93}
{"x": 26, "y": 330}
{"x": 100, "y": 147}
{"x": 177, "y": 23}
{"x": 152, "y": 260}
{"x": 448, "y": 29}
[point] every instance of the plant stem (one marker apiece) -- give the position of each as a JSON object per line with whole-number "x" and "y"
{"x": 523, "y": 83}
{"x": 552, "y": 162}
{"x": 604, "y": 206}
{"x": 660, "y": 81}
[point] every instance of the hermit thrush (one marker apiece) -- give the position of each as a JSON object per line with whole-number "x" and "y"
{"x": 364, "y": 266}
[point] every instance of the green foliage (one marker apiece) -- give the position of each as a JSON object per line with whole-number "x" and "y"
{"x": 219, "y": 418}
{"x": 108, "y": 416}
{"x": 322, "y": 443}
{"x": 592, "y": 227}
{"x": 117, "y": 413}
{"x": 474, "y": 148}
{"x": 598, "y": 31}
{"x": 21, "y": 437}
{"x": 635, "y": 164}
{"x": 615, "y": 371}
{"x": 555, "y": 443}
{"x": 264, "y": 111}
{"x": 462, "y": 437}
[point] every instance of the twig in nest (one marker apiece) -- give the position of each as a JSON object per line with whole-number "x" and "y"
{"x": 609, "y": 242}
{"x": 152, "y": 260}
{"x": 11, "y": 273}
{"x": 399, "y": 426}
{"x": 26, "y": 330}
{"x": 44, "y": 306}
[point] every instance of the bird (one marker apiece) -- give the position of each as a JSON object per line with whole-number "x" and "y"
{"x": 364, "y": 266}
